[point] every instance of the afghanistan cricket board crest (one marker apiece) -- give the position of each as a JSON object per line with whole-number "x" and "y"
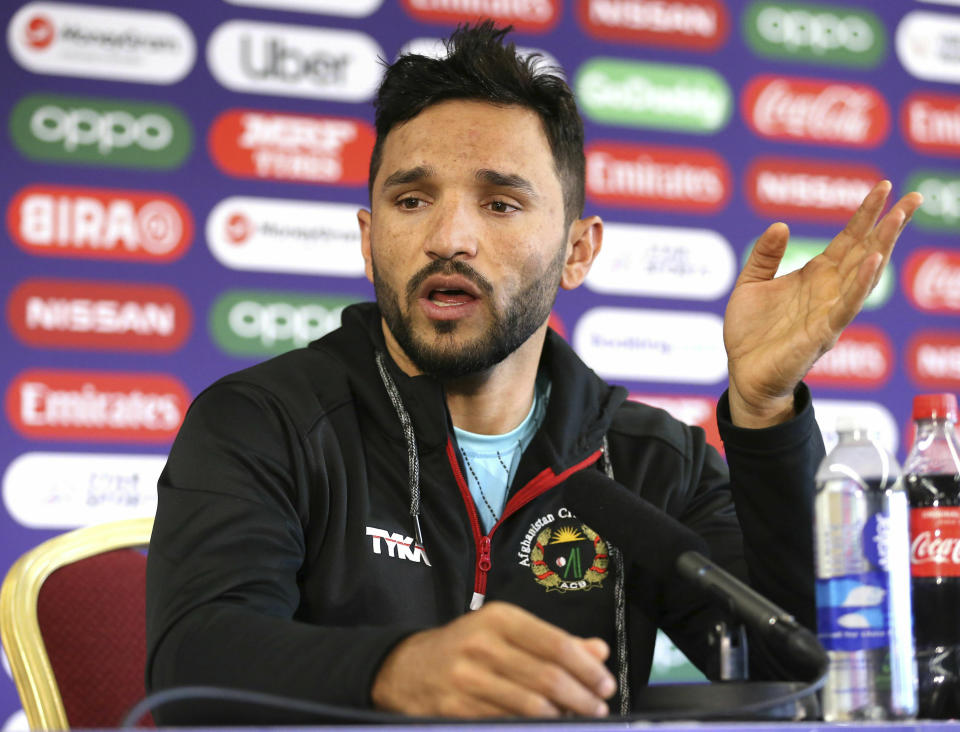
{"x": 568, "y": 555}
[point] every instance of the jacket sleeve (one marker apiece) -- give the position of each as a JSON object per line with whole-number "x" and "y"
{"x": 222, "y": 571}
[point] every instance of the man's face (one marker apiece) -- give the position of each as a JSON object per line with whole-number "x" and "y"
{"x": 465, "y": 242}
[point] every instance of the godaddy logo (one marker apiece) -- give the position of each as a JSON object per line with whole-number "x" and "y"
{"x": 662, "y": 96}
{"x": 110, "y": 132}
{"x": 828, "y": 34}
{"x": 941, "y": 200}
{"x": 255, "y": 323}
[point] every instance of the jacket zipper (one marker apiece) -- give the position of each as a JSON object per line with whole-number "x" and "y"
{"x": 540, "y": 484}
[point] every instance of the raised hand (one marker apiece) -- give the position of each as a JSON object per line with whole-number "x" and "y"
{"x": 775, "y": 329}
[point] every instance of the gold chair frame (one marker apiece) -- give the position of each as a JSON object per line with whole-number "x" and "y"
{"x": 19, "y": 626}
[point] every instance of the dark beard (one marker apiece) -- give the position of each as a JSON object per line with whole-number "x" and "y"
{"x": 508, "y": 330}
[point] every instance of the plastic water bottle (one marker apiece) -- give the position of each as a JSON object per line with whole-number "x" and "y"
{"x": 861, "y": 549}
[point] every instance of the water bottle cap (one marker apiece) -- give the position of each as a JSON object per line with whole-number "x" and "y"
{"x": 935, "y": 406}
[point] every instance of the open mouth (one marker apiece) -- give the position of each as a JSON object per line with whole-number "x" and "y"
{"x": 449, "y": 298}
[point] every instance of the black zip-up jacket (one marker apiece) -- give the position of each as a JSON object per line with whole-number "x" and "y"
{"x": 284, "y": 558}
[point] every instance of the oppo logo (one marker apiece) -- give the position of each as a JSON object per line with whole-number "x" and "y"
{"x": 700, "y": 411}
{"x": 99, "y": 223}
{"x": 829, "y": 411}
{"x": 803, "y": 188}
{"x": 294, "y": 60}
{"x": 933, "y": 359}
{"x": 700, "y": 25}
{"x": 932, "y": 280}
{"x": 526, "y": 16}
{"x": 927, "y": 45}
{"x": 98, "y": 315}
{"x": 941, "y": 200}
{"x": 931, "y": 123}
{"x": 352, "y": 9}
{"x": 862, "y": 358}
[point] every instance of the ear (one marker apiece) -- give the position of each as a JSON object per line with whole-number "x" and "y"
{"x": 583, "y": 245}
{"x": 366, "y": 224}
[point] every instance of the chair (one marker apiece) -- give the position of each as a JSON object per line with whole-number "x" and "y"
{"x": 72, "y": 625}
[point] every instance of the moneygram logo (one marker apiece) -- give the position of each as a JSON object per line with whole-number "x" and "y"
{"x": 803, "y": 188}
{"x": 663, "y": 261}
{"x": 700, "y": 25}
{"x": 931, "y": 123}
{"x": 306, "y": 148}
{"x": 828, "y": 34}
{"x": 816, "y": 111}
{"x": 660, "y": 96}
{"x": 927, "y": 45}
{"x": 652, "y": 345}
{"x": 933, "y": 359}
{"x": 931, "y": 280}
{"x": 98, "y": 315}
{"x": 119, "y": 44}
{"x": 99, "y": 223}
{"x": 862, "y": 358}
{"x": 282, "y": 235}
{"x": 352, "y": 9}
{"x": 526, "y": 16}
{"x": 676, "y": 178}
{"x": 96, "y": 405}
{"x": 256, "y": 323}
{"x": 941, "y": 200}
{"x": 700, "y": 411}
{"x": 295, "y": 61}
{"x": 57, "y": 490}
{"x": 99, "y": 131}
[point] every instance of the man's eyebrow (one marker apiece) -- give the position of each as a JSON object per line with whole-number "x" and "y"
{"x": 506, "y": 180}
{"x": 410, "y": 175}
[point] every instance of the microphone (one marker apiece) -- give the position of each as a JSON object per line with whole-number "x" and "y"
{"x": 661, "y": 545}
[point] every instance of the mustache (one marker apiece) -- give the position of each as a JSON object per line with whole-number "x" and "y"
{"x": 448, "y": 267}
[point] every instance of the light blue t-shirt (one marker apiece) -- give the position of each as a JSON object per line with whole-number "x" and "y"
{"x": 491, "y": 461}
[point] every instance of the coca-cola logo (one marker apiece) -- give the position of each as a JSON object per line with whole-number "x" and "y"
{"x": 817, "y": 111}
{"x": 861, "y": 358}
{"x": 700, "y": 25}
{"x": 931, "y": 123}
{"x": 933, "y": 359}
{"x": 935, "y": 542}
{"x": 527, "y": 16}
{"x": 932, "y": 280}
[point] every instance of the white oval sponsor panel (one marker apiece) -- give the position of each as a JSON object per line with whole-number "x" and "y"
{"x": 346, "y": 8}
{"x": 872, "y": 415}
{"x": 58, "y": 490}
{"x": 927, "y": 45}
{"x": 652, "y": 345}
{"x": 295, "y": 60}
{"x": 282, "y": 235}
{"x": 118, "y": 44}
{"x": 663, "y": 261}
{"x": 17, "y": 722}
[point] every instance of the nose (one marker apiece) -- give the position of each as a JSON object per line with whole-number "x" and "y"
{"x": 453, "y": 230}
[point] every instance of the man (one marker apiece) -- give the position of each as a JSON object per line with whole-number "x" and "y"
{"x": 333, "y": 524}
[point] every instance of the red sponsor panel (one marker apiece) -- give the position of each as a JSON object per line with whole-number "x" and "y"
{"x": 305, "y": 148}
{"x": 677, "y": 178}
{"x": 931, "y": 122}
{"x": 700, "y": 411}
{"x": 933, "y": 359}
{"x": 862, "y": 358}
{"x": 527, "y": 16}
{"x": 701, "y": 25}
{"x": 810, "y": 189}
{"x": 818, "y": 111}
{"x": 99, "y": 223}
{"x": 96, "y": 406}
{"x": 935, "y": 542}
{"x": 99, "y": 315}
{"x": 931, "y": 280}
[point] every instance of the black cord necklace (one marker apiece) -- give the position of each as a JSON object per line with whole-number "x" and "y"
{"x": 476, "y": 480}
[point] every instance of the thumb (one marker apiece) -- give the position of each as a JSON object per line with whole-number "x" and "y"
{"x": 765, "y": 257}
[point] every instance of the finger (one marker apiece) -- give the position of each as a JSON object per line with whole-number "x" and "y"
{"x": 765, "y": 257}
{"x": 890, "y": 227}
{"x": 867, "y": 214}
{"x": 597, "y": 647}
{"x": 854, "y": 294}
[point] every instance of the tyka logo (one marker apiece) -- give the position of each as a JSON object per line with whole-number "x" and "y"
{"x": 397, "y": 545}
{"x": 699, "y": 25}
{"x": 861, "y": 358}
{"x": 931, "y": 123}
{"x": 527, "y": 16}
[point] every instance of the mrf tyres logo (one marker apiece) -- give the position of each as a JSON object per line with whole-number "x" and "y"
{"x": 941, "y": 200}
{"x": 931, "y": 122}
{"x": 258, "y": 323}
{"x": 825, "y": 34}
{"x": 526, "y": 16}
{"x": 100, "y": 131}
{"x": 816, "y": 111}
{"x": 660, "y": 96}
{"x": 99, "y": 223}
{"x": 118, "y": 44}
{"x": 699, "y": 25}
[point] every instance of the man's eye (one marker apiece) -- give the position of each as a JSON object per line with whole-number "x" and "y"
{"x": 502, "y": 207}
{"x": 410, "y": 203}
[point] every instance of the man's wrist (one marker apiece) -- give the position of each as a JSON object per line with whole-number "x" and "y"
{"x": 769, "y": 413}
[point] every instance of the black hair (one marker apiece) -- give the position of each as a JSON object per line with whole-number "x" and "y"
{"x": 479, "y": 66}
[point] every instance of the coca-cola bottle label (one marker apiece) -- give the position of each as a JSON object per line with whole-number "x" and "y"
{"x": 935, "y": 541}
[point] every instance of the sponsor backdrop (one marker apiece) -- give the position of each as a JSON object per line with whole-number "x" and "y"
{"x": 181, "y": 178}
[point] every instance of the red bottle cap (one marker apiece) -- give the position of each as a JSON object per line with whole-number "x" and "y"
{"x": 935, "y": 406}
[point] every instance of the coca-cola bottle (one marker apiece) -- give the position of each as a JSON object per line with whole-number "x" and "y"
{"x": 932, "y": 474}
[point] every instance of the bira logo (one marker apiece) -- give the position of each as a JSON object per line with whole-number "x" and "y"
{"x": 119, "y": 44}
{"x": 98, "y": 223}
{"x": 295, "y": 61}
{"x": 816, "y": 111}
{"x": 932, "y": 280}
{"x": 812, "y": 189}
{"x": 527, "y": 16}
{"x": 675, "y": 178}
{"x": 398, "y": 546}
{"x": 931, "y": 123}
{"x": 699, "y": 25}
{"x": 99, "y": 315}
{"x": 933, "y": 360}
{"x": 861, "y": 358}
{"x": 941, "y": 200}
{"x": 249, "y": 143}
{"x": 96, "y": 405}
